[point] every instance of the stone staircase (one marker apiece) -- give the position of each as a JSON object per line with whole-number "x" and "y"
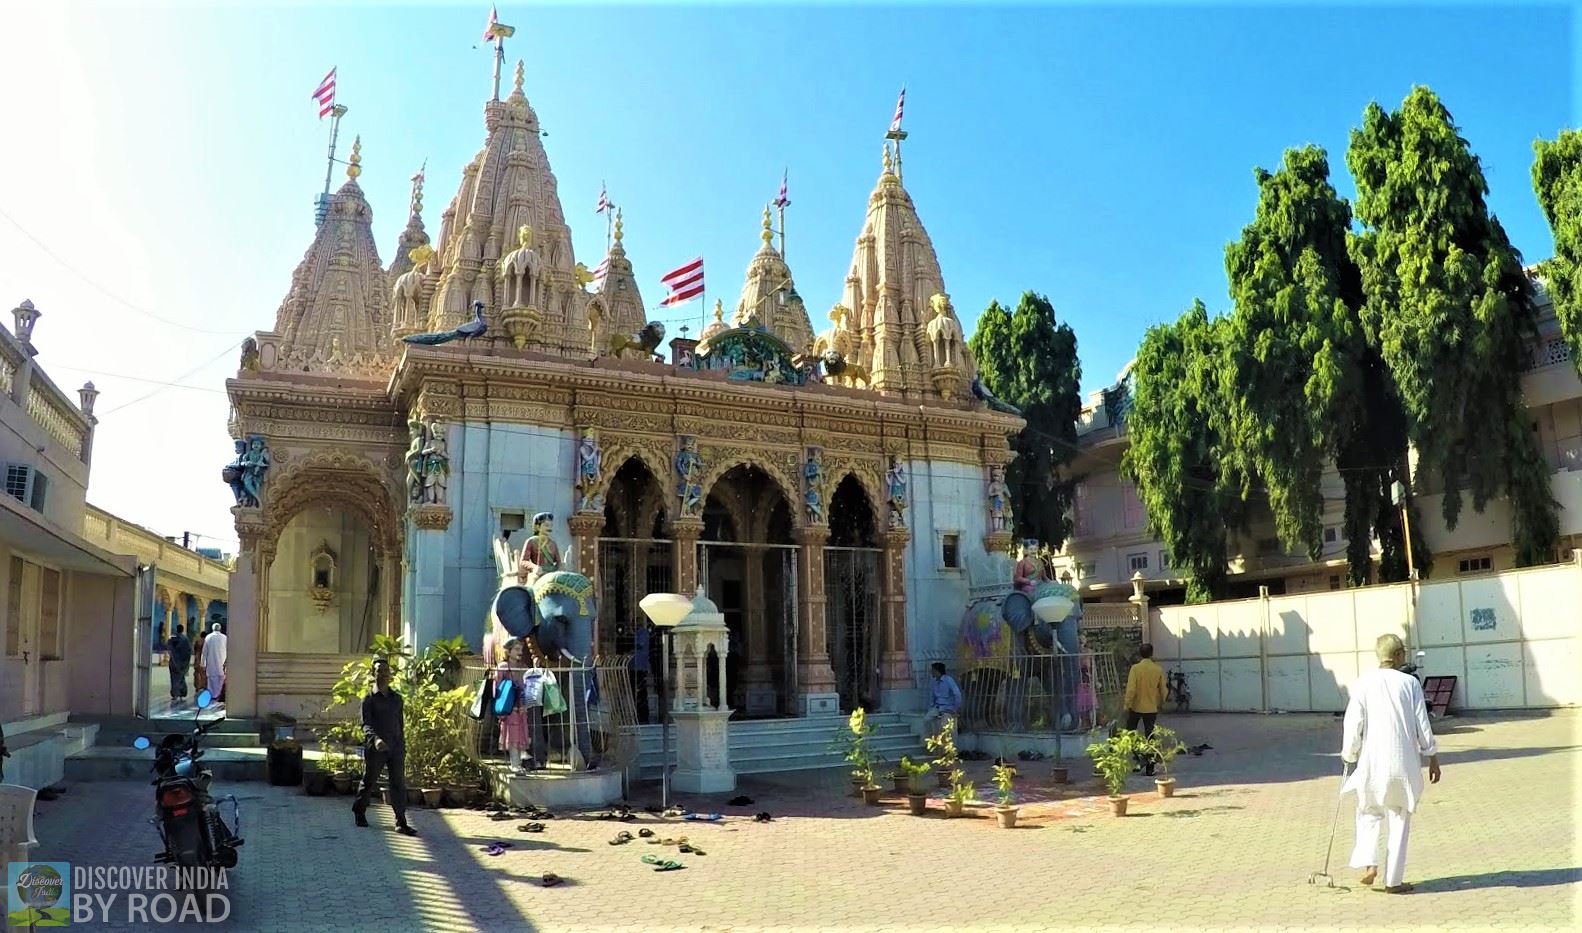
{"x": 769, "y": 746}
{"x": 41, "y": 745}
{"x": 231, "y": 750}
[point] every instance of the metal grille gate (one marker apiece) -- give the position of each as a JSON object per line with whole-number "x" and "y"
{"x": 778, "y": 600}
{"x": 852, "y": 629}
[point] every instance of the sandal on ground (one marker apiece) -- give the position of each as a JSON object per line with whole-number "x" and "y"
{"x": 662, "y": 864}
{"x": 645, "y": 833}
{"x": 551, "y": 879}
{"x": 691, "y": 849}
{"x": 621, "y": 839}
{"x": 674, "y": 812}
{"x": 500, "y": 816}
{"x": 763, "y": 817}
{"x": 531, "y": 828}
{"x": 1394, "y": 889}
{"x": 1368, "y": 877}
{"x": 496, "y": 848}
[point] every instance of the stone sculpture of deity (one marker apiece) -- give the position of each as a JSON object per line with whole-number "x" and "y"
{"x": 520, "y": 269}
{"x": 415, "y": 460}
{"x": 540, "y": 555}
{"x": 999, "y": 500}
{"x": 813, "y": 479}
{"x": 944, "y": 332}
{"x": 689, "y": 477}
{"x": 436, "y": 464}
{"x": 589, "y": 462}
{"x": 895, "y": 480}
{"x": 254, "y": 466}
{"x": 232, "y": 474}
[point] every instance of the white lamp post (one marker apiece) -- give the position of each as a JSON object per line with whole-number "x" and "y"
{"x": 665, "y": 610}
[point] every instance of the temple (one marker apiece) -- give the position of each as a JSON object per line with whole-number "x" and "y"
{"x": 829, "y": 491}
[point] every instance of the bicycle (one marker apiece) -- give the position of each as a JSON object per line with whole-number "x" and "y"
{"x": 1176, "y": 688}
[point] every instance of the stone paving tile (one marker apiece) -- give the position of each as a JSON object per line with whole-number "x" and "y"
{"x": 1493, "y": 846}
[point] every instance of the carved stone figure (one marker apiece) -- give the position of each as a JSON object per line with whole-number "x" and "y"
{"x": 436, "y": 464}
{"x": 1030, "y": 568}
{"x": 540, "y": 555}
{"x": 520, "y": 270}
{"x": 813, "y": 480}
{"x": 408, "y": 291}
{"x": 249, "y": 362}
{"x": 944, "y": 332}
{"x": 254, "y": 466}
{"x": 415, "y": 460}
{"x": 590, "y": 461}
{"x": 895, "y": 480}
{"x": 999, "y": 500}
{"x": 689, "y": 473}
{"x": 232, "y": 474}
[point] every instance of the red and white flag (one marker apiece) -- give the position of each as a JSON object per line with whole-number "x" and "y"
{"x": 900, "y": 105}
{"x": 783, "y": 200}
{"x": 325, "y": 95}
{"x": 601, "y": 270}
{"x": 604, "y": 199}
{"x": 685, "y": 283}
{"x": 497, "y": 30}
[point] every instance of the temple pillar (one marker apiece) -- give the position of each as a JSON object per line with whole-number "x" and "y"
{"x": 758, "y": 680}
{"x": 895, "y": 665}
{"x": 816, "y": 693}
{"x": 685, "y": 533}
{"x": 246, "y": 607}
{"x": 425, "y": 618}
{"x": 584, "y": 555}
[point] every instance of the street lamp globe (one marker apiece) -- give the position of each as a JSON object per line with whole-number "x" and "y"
{"x": 665, "y": 610}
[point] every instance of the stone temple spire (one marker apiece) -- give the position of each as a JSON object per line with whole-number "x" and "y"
{"x": 893, "y": 292}
{"x": 770, "y": 295}
{"x": 414, "y": 235}
{"x": 509, "y": 186}
{"x": 617, "y": 305}
{"x": 335, "y": 317}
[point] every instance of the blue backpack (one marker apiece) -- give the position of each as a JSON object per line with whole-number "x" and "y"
{"x": 505, "y": 697}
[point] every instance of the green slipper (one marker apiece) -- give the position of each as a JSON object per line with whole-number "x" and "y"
{"x": 662, "y": 864}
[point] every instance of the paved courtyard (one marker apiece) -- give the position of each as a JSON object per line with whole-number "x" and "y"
{"x": 1494, "y": 846}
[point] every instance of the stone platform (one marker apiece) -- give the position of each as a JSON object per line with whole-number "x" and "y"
{"x": 556, "y": 788}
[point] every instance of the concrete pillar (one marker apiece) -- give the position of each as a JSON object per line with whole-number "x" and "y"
{"x": 816, "y": 693}
{"x": 244, "y": 627}
{"x": 686, "y": 532}
{"x": 425, "y": 618}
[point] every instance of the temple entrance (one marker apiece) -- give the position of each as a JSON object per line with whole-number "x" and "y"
{"x": 748, "y": 564}
{"x": 635, "y": 559}
{"x": 324, "y": 587}
{"x": 852, "y": 583}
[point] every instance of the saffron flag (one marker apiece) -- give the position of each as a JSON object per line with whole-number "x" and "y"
{"x": 900, "y": 105}
{"x": 604, "y": 199}
{"x": 685, "y": 283}
{"x": 495, "y": 29}
{"x": 325, "y": 95}
{"x": 783, "y": 200}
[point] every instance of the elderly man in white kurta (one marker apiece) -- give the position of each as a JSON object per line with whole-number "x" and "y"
{"x": 1387, "y": 734}
{"x": 214, "y": 660}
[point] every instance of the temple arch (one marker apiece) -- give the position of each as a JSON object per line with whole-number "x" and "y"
{"x": 853, "y": 584}
{"x": 635, "y": 558}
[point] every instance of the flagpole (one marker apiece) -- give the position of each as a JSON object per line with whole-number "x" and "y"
{"x": 499, "y": 59}
{"x": 782, "y": 209}
{"x": 336, "y": 112}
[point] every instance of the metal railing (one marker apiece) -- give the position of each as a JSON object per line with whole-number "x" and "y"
{"x": 1037, "y": 693}
{"x": 597, "y": 728}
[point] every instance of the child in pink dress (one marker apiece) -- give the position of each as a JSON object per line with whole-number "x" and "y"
{"x": 515, "y": 736}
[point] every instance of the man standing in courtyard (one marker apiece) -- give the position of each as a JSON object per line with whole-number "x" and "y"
{"x": 1386, "y": 736}
{"x": 1145, "y": 693}
{"x": 214, "y": 660}
{"x": 179, "y": 651}
{"x": 384, "y": 745}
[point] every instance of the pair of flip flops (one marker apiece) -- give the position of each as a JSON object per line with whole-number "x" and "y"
{"x": 690, "y": 849}
{"x": 496, "y": 848}
{"x": 763, "y": 817}
{"x": 620, "y": 814}
{"x": 662, "y": 864}
{"x": 645, "y": 833}
{"x": 621, "y": 838}
{"x": 656, "y": 841}
{"x": 550, "y": 879}
{"x": 530, "y": 828}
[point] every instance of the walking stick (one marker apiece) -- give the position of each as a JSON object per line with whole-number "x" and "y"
{"x": 1329, "y": 881}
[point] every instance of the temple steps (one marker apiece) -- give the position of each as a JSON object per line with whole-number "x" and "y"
{"x": 770, "y": 746}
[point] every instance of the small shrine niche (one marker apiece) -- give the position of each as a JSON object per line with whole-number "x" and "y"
{"x": 322, "y": 573}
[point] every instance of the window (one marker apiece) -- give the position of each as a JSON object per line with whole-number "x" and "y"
{"x": 19, "y": 482}
{"x": 1331, "y": 535}
{"x": 1088, "y": 569}
{"x": 1133, "y": 507}
{"x": 49, "y": 615}
{"x": 40, "y": 487}
{"x": 1334, "y": 581}
{"x": 1474, "y": 565}
{"x": 1164, "y": 560}
{"x": 1135, "y": 562}
{"x": 512, "y": 522}
{"x": 950, "y": 550}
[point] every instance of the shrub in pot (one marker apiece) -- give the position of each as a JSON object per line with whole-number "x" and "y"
{"x": 1163, "y": 746}
{"x": 1004, "y": 775}
{"x": 960, "y": 793}
{"x": 899, "y": 780}
{"x": 854, "y": 746}
{"x": 916, "y": 785}
{"x": 316, "y": 782}
{"x": 943, "y": 746}
{"x": 1112, "y": 759}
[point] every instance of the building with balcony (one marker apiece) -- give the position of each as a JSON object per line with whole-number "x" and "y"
{"x": 69, "y": 603}
{"x": 1110, "y": 544}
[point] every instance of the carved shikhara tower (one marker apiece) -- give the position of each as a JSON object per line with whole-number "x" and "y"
{"x": 818, "y": 512}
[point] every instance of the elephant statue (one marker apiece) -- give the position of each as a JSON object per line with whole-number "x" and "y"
{"x": 557, "y": 612}
{"x": 1004, "y": 649}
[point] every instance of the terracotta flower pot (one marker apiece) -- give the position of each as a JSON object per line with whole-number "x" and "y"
{"x": 857, "y": 784}
{"x": 954, "y": 808}
{"x": 432, "y": 796}
{"x": 1118, "y": 804}
{"x": 1167, "y": 786}
{"x": 1007, "y": 816}
{"x": 344, "y": 783}
{"x": 870, "y": 794}
{"x": 918, "y": 803}
{"x": 1062, "y": 775}
{"x": 899, "y": 782}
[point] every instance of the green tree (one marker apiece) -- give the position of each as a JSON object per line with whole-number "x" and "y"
{"x": 1557, "y": 177}
{"x": 1028, "y": 359}
{"x": 1447, "y": 302}
{"x": 1309, "y": 388}
{"x": 1189, "y": 479}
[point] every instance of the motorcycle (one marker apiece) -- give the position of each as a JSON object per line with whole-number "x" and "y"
{"x": 186, "y": 814}
{"x": 1415, "y": 668}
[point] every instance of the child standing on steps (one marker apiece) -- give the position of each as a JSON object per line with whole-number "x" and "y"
{"x": 515, "y": 735}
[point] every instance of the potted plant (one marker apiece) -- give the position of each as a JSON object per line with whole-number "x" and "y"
{"x": 316, "y": 782}
{"x": 916, "y": 785}
{"x": 961, "y": 792}
{"x": 854, "y": 747}
{"x": 1112, "y": 759}
{"x": 1003, "y": 776}
{"x": 1163, "y": 746}
{"x": 898, "y": 778}
{"x": 943, "y": 745}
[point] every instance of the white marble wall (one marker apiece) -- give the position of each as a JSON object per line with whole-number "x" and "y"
{"x": 947, "y": 498}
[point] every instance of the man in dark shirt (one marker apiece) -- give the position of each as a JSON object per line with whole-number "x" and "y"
{"x": 180, "y": 654}
{"x": 384, "y": 745}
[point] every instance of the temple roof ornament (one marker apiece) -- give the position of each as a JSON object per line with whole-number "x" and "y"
{"x": 718, "y": 325}
{"x": 889, "y": 300}
{"x": 770, "y": 295}
{"x": 335, "y": 317}
{"x": 620, "y": 302}
{"x": 414, "y": 235}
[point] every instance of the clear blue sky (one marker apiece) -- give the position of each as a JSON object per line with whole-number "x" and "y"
{"x": 1101, "y": 155}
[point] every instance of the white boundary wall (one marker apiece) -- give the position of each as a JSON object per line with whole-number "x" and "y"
{"x": 1513, "y": 640}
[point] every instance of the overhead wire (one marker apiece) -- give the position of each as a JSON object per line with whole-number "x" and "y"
{"x": 199, "y": 368}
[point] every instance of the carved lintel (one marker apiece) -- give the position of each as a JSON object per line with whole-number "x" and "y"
{"x": 432, "y": 517}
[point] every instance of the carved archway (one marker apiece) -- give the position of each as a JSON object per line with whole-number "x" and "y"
{"x": 715, "y": 471}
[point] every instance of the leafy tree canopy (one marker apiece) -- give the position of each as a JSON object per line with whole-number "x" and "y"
{"x": 1557, "y": 178}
